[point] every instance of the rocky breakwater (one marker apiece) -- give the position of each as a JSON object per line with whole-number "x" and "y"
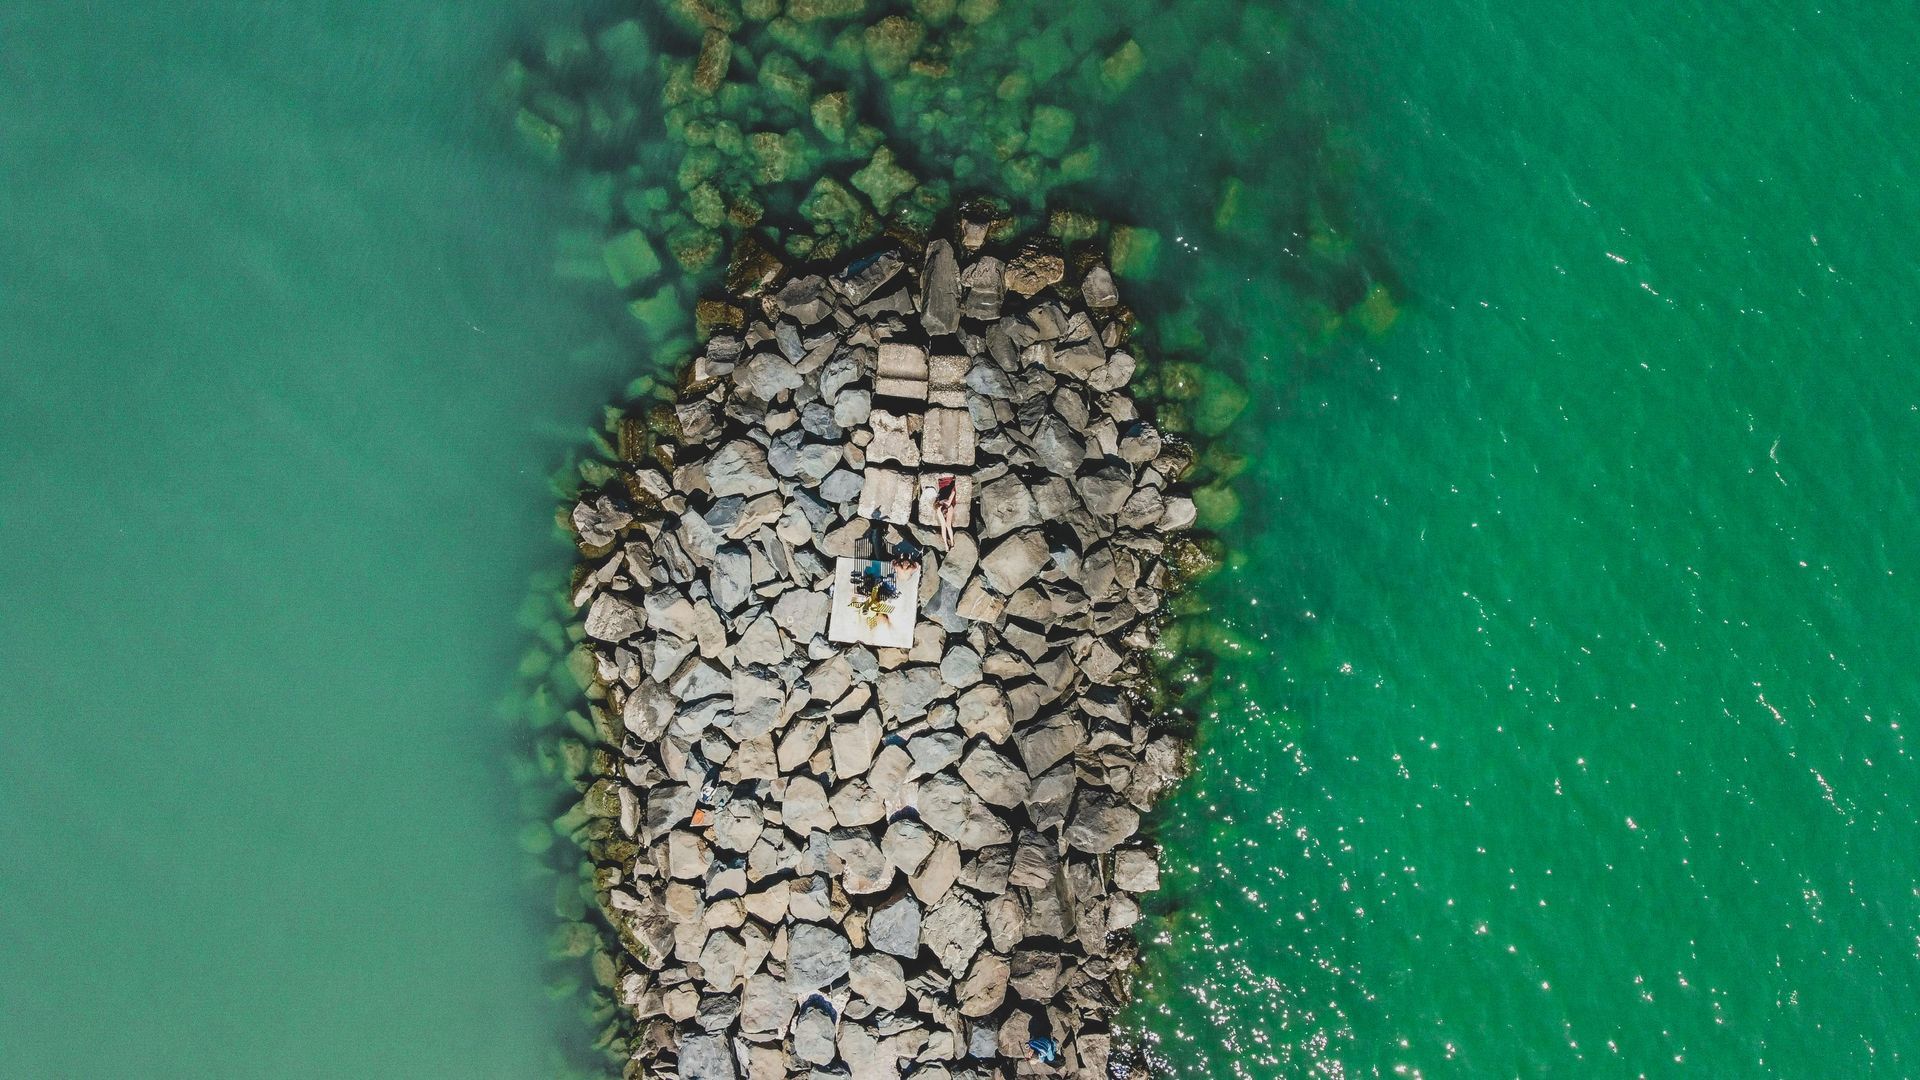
{"x": 825, "y": 859}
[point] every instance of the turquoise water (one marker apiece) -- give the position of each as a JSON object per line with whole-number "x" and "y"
{"x": 281, "y": 354}
{"x": 1569, "y": 737}
{"x": 1583, "y": 748}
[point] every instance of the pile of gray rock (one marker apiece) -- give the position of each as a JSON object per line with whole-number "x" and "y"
{"x": 824, "y": 859}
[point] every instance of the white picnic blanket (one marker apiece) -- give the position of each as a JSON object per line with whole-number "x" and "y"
{"x": 892, "y": 631}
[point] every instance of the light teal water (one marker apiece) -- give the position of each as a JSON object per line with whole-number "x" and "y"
{"x": 280, "y": 346}
{"x": 1570, "y": 738}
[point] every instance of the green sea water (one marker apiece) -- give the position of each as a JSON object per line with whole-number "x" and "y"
{"x": 1575, "y": 614}
{"x": 1576, "y": 737}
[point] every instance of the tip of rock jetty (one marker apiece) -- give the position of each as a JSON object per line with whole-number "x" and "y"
{"x": 870, "y": 603}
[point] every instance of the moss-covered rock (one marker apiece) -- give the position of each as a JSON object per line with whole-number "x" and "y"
{"x": 694, "y": 248}
{"x": 1044, "y": 55}
{"x": 659, "y": 314}
{"x": 891, "y": 43}
{"x": 883, "y": 181}
{"x": 1217, "y": 505}
{"x": 832, "y": 113}
{"x": 642, "y": 205}
{"x": 831, "y": 204}
{"x": 1135, "y": 251}
{"x": 1050, "y": 130}
{"x": 1376, "y": 313}
{"x": 786, "y": 82}
{"x": 630, "y": 259}
{"x": 706, "y": 206}
{"x": 545, "y": 137}
{"x": 722, "y": 16}
{"x": 1072, "y": 226}
{"x": 1081, "y": 165}
{"x": 1122, "y": 66}
{"x": 778, "y": 157}
{"x": 1226, "y": 209}
{"x": 710, "y": 68}
{"x": 535, "y": 838}
{"x": 1219, "y": 404}
{"x": 813, "y": 10}
{"x": 975, "y": 12}
{"x": 571, "y": 940}
{"x": 625, "y": 49}
{"x": 699, "y": 165}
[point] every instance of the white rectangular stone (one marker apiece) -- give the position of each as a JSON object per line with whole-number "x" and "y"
{"x": 901, "y": 371}
{"x": 947, "y": 381}
{"x": 887, "y": 493}
{"x": 947, "y": 438}
{"x": 892, "y": 438}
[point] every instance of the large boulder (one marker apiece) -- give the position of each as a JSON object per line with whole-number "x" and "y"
{"x": 817, "y": 957}
{"x": 1101, "y": 821}
{"x": 895, "y": 927}
{"x": 706, "y": 1057}
{"x": 994, "y": 777}
{"x": 739, "y": 468}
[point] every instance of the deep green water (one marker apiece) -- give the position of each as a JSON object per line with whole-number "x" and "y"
{"x": 1578, "y": 744}
{"x": 1579, "y": 608}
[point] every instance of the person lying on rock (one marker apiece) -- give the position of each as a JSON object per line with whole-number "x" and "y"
{"x": 946, "y": 499}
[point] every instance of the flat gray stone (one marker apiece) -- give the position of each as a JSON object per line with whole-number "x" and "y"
{"x": 1014, "y": 561}
{"x": 1136, "y": 871}
{"x": 817, "y": 957}
{"x": 1050, "y": 740}
{"x": 983, "y": 711}
{"x": 739, "y": 468}
{"x": 1101, "y": 821}
{"x": 905, "y": 693}
{"x": 907, "y": 844}
{"x": 804, "y": 808}
{"x": 1097, "y": 288}
{"x": 895, "y": 927}
{"x": 766, "y": 376}
{"x": 940, "y": 290}
{"x": 952, "y": 809}
{"x": 766, "y": 1005}
{"x": 955, "y": 930}
{"x": 613, "y": 618}
{"x": 813, "y": 1036}
{"x": 1006, "y": 505}
{"x": 934, "y": 751}
{"x": 880, "y": 979}
{"x": 995, "y": 777}
{"x": 802, "y": 613}
{"x": 940, "y": 871}
{"x": 863, "y": 869}
{"x": 706, "y": 1057}
{"x": 960, "y": 667}
{"x": 1104, "y": 485}
{"x": 599, "y": 521}
{"x": 985, "y": 985}
{"x": 854, "y": 803}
